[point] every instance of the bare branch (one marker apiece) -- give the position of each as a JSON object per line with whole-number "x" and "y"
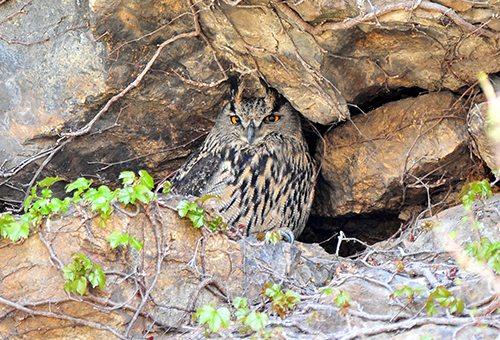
{"x": 367, "y": 17}
{"x": 77, "y": 321}
{"x": 132, "y": 85}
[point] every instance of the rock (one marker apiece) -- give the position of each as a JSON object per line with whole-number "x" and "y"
{"x": 384, "y": 159}
{"x": 256, "y": 38}
{"x": 457, "y": 5}
{"x": 180, "y": 268}
{"x": 483, "y": 146}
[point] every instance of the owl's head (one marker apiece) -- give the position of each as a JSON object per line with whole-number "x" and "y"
{"x": 257, "y": 121}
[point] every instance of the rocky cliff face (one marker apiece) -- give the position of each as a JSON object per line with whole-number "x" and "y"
{"x": 92, "y": 88}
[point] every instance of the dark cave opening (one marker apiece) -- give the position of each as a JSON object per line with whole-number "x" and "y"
{"x": 369, "y": 228}
{"x": 375, "y": 97}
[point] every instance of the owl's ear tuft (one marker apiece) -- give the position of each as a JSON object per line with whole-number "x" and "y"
{"x": 273, "y": 98}
{"x": 237, "y": 87}
{"x": 233, "y": 87}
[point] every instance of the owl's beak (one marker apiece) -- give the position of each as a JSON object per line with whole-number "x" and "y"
{"x": 251, "y": 133}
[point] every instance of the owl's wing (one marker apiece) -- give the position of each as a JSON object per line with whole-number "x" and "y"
{"x": 194, "y": 175}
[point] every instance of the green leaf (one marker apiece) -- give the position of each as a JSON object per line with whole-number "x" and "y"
{"x": 47, "y": 193}
{"x": 419, "y": 289}
{"x": 70, "y": 286}
{"x": 183, "y": 208}
{"x": 291, "y": 298}
{"x": 12, "y": 229}
{"x": 222, "y": 317}
{"x": 136, "y": 244}
{"x": 204, "y": 314}
{"x": 41, "y": 206}
{"x": 128, "y": 177}
{"x": 467, "y": 201}
{"x": 87, "y": 264}
{"x": 215, "y": 223}
{"x": 470, "y": 192}
{"x": 80, "y": 272}
{"x": 457, "y": 306}
{"x": 65, "y": 204}
{"x": 241, "y": 312}
{"x": 494, "y": 263}
{"x": 207, "y": 197}
{"x": 197, "y": 217}
{"x": 142, "y": 193}
{"x": 166, "y": 187}
{"x": 55, "y": 205}
{"x": 257, "y": 321}
{"x": 431, "y": 309}
{"x": 97, "y": 277}
{"x": 406, "y": 290}
{"x": 81, "y": 285}
{"x": 272, "y": 237}
{"x": 146, "y": 179}
{"x": 240, "y": 302}
{"x": 90, "y": 194}
{"x": 272, "y": 290}
{"x": 342, "y": 298}
{"x": 117, "y": 238}
{"x": 126, "y": 195}
{"x": 100, "y": 203}
{"x": 69, "y": 272}
{"x": 103, "y": 220}
{"x": 27, "y": 203}
{"x": 214, "y": 318}
{"x": 325, "y": 290}
{"x": 442, "y": 296}
{"x": 48, "y": 181}
{"x": 80, "y": 184}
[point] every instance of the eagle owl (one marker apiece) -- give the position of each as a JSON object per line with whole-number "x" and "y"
{"x": 256, "y": 159}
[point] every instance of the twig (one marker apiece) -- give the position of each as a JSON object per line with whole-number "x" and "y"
{"x": 41, "y": 167}
{"x": 108, "y": 165}
{"x": 13, "y": 171}
{"x": 199, "y": 288}
{"x": 366, "y": 17}
{"x": 408, "y": 324}
{"x": 14, "y": 14}
{"x": 62, "y": 317}
{"x": 159, "y": 260}
{"x": 132, "y": 85}
{"x": 53, "y": 255}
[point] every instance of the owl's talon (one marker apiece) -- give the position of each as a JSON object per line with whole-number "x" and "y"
{"x": 287, "y": 235}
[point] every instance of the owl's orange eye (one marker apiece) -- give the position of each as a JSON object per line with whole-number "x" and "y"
{"x": 235, "y": 119}
{"x": 272, "y": 118}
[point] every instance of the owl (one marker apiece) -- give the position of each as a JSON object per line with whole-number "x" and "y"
{"x": 256, "y": 160}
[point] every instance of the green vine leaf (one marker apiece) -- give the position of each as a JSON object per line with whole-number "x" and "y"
{"x": 80, "y": 272}
{"x": 127, "y": 177}
{"x": 146, "y": 179}
{"x": 257, "y": 321}
{"x": 12, "y": 229}
{"x": 117, "y": 238}
{"x": 215, "y": 319}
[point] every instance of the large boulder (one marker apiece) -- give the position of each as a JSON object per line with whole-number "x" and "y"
{"x": 394, "y": 156}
